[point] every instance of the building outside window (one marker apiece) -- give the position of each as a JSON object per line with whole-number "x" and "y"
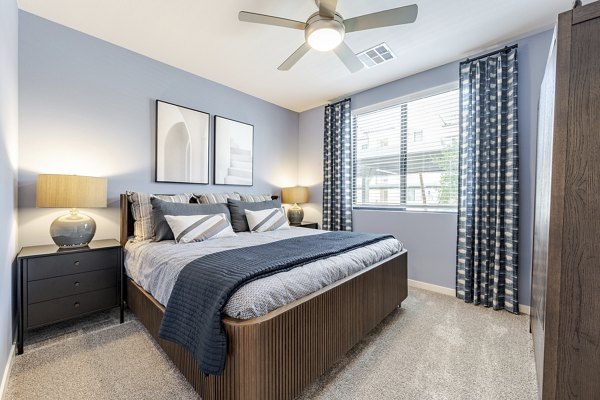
{"x": 406, "y": 154}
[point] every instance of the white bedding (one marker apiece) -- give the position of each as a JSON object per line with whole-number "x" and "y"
{"x": 155, "y": 266}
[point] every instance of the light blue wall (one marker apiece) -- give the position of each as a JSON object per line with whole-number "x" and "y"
{"x": 431, "y": 237}
{"x": 87, "y": 107}
{"x": 8, "y": 173}
{"x": 310, "y": 161}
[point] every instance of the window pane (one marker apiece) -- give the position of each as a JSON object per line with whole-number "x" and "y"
{"x": 407, "y": 154}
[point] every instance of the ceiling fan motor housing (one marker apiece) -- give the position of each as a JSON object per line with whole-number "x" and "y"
{"x": 323, "y": 33}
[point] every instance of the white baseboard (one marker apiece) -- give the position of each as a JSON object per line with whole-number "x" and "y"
{"x": 7, "y": 369}
{"x": 431, "y": 287}
{"x": 523, "y": 309}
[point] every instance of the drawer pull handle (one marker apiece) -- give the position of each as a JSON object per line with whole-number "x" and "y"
{"x": 76, "y": 305}
{"x": 76, "y": 284}
{"x": 76, "y": 263}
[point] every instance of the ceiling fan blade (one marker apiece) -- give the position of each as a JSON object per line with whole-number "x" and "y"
{"x": 270, "y": 20}
{"x": 294, "y": 58}
{"x": 348, "y": 58}
{"x": 327, "y": 8}
{"x": 395, "y": 16}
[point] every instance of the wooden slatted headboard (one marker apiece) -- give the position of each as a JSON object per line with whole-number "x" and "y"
{"x": 126, "y": 221}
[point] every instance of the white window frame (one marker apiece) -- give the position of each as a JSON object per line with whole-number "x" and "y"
{"x": 454, "y": 85}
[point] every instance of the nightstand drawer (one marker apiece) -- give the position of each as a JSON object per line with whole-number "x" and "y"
{"x": 62, "y": 286}
{"x": 67, "y": 307}
{"x": 66, "y": 264}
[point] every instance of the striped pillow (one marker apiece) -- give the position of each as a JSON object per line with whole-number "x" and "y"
{"x": 271, "y": 219}
{"x": 197, "y": 228}
{"x": 255, "y": 197}
{"x": 141, "y": 210}
{"x": 216, "y": 198}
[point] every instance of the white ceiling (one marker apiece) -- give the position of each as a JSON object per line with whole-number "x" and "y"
{"x": 206, "y": 38}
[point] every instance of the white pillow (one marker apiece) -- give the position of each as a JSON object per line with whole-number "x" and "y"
{"x": 197, "y": 228}
{"x": 271, "y": 219}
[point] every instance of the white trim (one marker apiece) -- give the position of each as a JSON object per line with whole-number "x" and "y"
{"x": 523, "y": 309}
{"x": 432, "y": 91}
{"x": 431, "y": 287}
{"x": 401, "y": 209}
{"x": 7, "y": 369}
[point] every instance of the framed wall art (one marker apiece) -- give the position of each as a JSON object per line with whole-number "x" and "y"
{"x": 182, "y": 144}
{"x": 234, "y": 142}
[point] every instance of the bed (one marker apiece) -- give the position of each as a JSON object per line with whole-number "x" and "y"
{"x": 278, "y": 354}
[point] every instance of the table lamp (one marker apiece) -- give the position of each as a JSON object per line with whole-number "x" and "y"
{"x": 295, "y": 195}
{"x": 71, "y": 191}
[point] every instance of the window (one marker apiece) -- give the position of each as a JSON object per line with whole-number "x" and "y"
{"x": 406, "y": 155}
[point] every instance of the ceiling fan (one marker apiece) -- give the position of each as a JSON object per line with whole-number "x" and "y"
{"x": 325, "y": 29}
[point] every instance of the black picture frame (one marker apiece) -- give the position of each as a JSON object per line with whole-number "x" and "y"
{"x": 227, "y": 171}
{"x": 176, "y": 161}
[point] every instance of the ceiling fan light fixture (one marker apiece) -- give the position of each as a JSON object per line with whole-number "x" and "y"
{"x": 324, "y": 39}
{"x": 324, "y": 34}
{"x": 325, "y": 30}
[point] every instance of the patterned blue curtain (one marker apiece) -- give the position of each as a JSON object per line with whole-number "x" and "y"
{"x": 488, "y": 215}
{"x": 337, "y": 168}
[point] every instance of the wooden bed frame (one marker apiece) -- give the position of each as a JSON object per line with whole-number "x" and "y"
{"x": 277, "y": 355}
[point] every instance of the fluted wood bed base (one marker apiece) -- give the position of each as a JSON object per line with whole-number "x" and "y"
{"x": 276, "y": 356}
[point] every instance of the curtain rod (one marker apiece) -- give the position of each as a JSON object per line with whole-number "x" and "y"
{"x": 491, "y": 53}
{"x": 339, "y": 101}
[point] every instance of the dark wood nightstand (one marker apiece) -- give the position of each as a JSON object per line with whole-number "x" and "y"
{"x": 306, "y": 224}
{"x": 59, "y": 284}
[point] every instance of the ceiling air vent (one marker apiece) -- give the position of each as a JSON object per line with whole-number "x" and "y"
{"x": 376, "y": 55}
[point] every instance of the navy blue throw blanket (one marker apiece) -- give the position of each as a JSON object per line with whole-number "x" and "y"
{"x": 193, "y": 315}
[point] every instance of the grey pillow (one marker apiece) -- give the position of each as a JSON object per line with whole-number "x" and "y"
{"x": 160, "y": 208}
{"x": 238, "y": 216}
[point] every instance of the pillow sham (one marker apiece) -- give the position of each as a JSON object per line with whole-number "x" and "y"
{"x": 271, "y": 219}
{"x": 255, "y": 197}
{"x": 238, "y": 216}
{"x": 215, "y": 198}
{"x": 141, "y": 210}
{"x": 160, "y": 208}
{"x": 197, "y": 228}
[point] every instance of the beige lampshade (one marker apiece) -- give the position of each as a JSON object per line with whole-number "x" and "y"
{"x": 297, "y": 194}
{"x": 70, "y": 191}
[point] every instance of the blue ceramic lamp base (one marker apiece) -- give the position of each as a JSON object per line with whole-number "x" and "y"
{"x": 295, "y": 214}
{"x": 73, "y": 230}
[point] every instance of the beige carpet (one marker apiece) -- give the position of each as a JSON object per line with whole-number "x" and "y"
{"x": 114, "y": 362}
{"x": 435, "y": 347}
